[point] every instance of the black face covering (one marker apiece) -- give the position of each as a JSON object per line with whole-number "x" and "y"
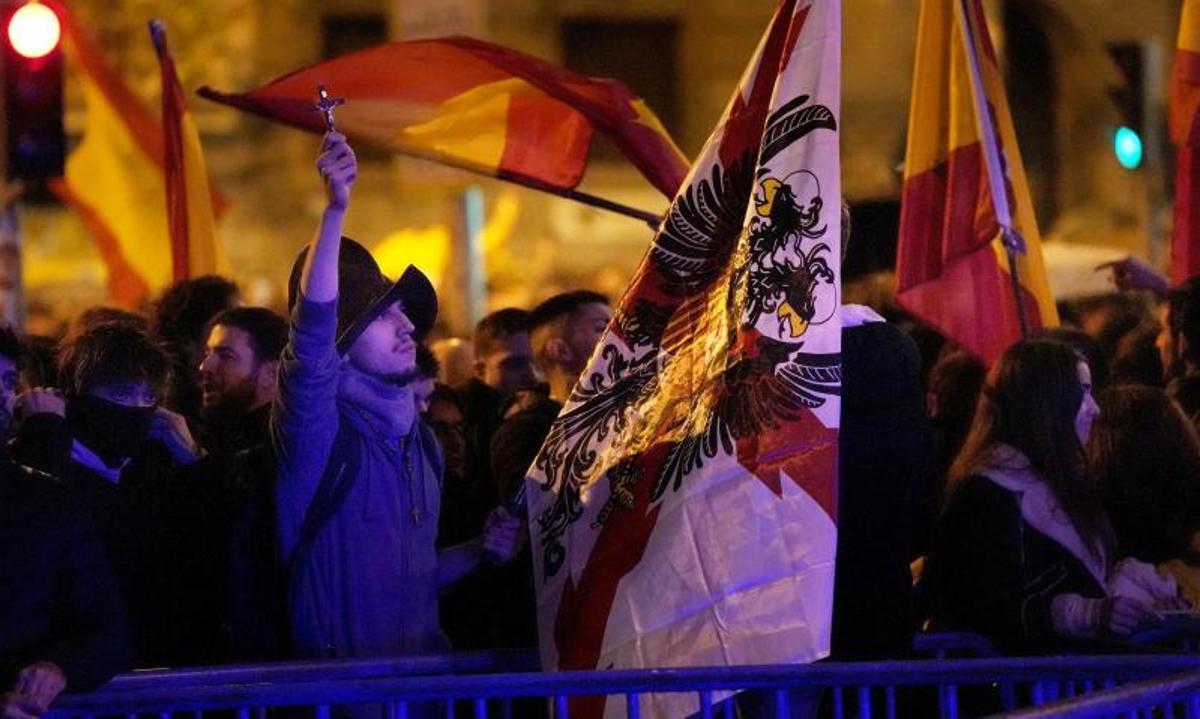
{"x": 113, "y": 431}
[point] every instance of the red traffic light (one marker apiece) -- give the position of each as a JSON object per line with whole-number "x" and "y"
{"x": 34, "y": 30}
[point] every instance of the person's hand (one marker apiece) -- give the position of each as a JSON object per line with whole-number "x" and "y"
{"x": 41, "y": 400}
{"x": 1122, "y": 616}
{"x": 172, "y": 430}
{"x": 19, "y": 706}
{"x": 36, "y": 688}
{"x": 338, "y": 169}
{"x": 1133, "y": 274}
{"x": 503, "y": 536}
{"x": 1172, "y": 604}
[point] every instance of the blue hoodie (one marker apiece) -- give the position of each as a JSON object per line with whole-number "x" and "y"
{"x": 368, "y": 587}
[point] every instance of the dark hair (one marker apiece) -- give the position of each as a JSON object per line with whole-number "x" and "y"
{"x": 952, "y": 395}
{"x": 1138, "y": 360}
{"x": 103, "y": 315}
{"x": 1086, "y": 347}
{"x": 1183, "y": 315}
{"x": 1146, "y": 458}
{"x": 427, "y": 362}
{"x": 185, "y": 309}
{"x": 1029, "y": 402}
{"x": 446, "y": 393}
{"x": 110, "y": 353}
{"x": 552, "y": 317}
{"x": 561, "y": 306}
{"x": 1122, "y": 314}
{"x": 39, "y": 363}
{"x": 10, "y": 345}
{"x": 268, "y": 331}
{"x": 494, "y": 329}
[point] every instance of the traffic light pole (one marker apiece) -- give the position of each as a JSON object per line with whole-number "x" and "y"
{"x": 1155, "y": 191}
{"x": 12, "y": 285}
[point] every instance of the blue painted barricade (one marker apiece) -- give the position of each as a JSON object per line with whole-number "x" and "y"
{"x": 487, "y": 681}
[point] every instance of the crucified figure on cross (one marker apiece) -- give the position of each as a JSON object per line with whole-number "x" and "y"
{"x": 325, "y": 105}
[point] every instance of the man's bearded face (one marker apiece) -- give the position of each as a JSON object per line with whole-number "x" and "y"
{"x": 229, "y": 372}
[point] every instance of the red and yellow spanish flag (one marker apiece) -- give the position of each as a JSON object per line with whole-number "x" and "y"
{"x": 474, "y": 105}
{"x": 195, "y": 250}
{"x": 951, "y": 266}
{"x": 1185, "y": 134}
{"x": 115, "y": 177}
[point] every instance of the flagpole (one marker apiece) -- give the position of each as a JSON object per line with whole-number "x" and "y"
{"x": 585, "y": 198}
{"x": 1012, "y": 240}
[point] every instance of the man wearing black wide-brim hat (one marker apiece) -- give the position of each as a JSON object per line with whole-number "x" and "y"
{"x": 359, "y": 475}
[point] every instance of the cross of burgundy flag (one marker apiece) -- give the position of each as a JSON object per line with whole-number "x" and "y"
{"x": 682, "y": 508}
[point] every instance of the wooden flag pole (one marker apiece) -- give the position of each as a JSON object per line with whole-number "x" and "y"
{"x": 1014, "y": 244}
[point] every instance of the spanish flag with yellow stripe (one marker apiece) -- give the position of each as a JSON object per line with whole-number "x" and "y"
{"x": 194, "y": 247}
{"x": 115, "y": 178}
{"x": 475, "y": 105}
{"x": 1185, "y": 134}
{"x": 951, "y": 265}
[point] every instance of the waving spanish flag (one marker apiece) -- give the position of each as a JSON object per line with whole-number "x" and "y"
{"x": 951, "y": 265}
{"x": 194, "y": 247}
{"x": 1185, "y": 134}
{"x": 475, "y": 105}
{"x": 115, "y": 178}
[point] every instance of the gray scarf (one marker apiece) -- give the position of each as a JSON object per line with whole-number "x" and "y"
{"x": 388, "y": 409}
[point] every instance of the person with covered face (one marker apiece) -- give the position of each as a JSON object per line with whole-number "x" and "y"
{"x": 122, "y": 456}
{"x": 358, "y": 472}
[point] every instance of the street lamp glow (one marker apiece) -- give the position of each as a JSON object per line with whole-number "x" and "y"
{"x": 1128, "y": 148}
{"x": 34, "y": 30}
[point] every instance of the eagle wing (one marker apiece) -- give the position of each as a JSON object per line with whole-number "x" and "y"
{"x": 701, "y": 230}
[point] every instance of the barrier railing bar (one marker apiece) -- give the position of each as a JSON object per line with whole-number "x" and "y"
{"x": 490, "y": 662}
{"x": 560, "y": 707}
{"x": 706, "y": 705}
{"x": 864, "y": 702}
{"x": 633, "y": 708}
{"x": 1126, "y": 699}
{"x": 481, "y": 711}
{"x": 156, "y": 692}
{"x": 950, "y": 710}
{"x": 839, "y": 703}
{"x": 889, "y": 698}
{"x": 782, "y": 710}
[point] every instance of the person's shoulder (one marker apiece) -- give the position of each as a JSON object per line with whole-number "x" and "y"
{"x": 883, "y": 338}
{"x": 978, "y": 491}
{"x": 51, "y": 498}
{"x": 534, "y": 410}
{"x": 478, "y": 397}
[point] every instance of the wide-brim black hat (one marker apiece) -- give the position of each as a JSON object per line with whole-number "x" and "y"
{"x": 364, "y": 293}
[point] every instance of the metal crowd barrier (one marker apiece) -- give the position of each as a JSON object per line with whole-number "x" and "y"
{"x": 1175, "y": 697}
{"x": 930, "y": 687}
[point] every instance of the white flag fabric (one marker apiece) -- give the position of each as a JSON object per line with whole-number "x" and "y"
{"x": 682, "y": 509}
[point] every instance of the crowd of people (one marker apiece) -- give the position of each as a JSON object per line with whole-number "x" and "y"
{"x": 210, "y": 483}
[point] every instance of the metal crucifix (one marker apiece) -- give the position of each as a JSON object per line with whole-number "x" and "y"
{"x": 325, "y": 105}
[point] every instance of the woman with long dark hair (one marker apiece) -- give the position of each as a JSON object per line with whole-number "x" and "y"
{"x": 1145, "y": 455}
{"x": 1023, "y": 552}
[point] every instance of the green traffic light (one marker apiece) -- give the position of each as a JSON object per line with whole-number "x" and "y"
{"x": 1127, "y": 146}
